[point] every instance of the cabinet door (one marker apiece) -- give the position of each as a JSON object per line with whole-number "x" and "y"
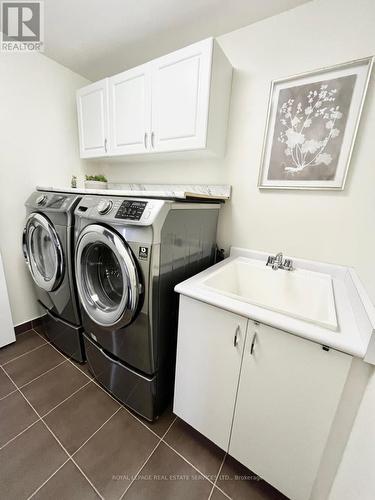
{"x": 130, "y": 111}
{"x": 209, "y": 349}
{"x": 180, "y": 98}
{"x": 92, "y": 106}
{"x": 288, "y": 394}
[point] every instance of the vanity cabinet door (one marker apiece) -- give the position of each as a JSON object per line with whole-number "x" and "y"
{"x": 288, "y": 394}
{"x": 92, "y": 108}
{"x": 130, "y": 111}
{"x": 209, "y": 350}
{"x": 180, "y": 98}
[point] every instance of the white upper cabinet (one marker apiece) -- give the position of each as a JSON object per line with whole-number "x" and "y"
{"x": 176, "y": 103}
{"x": 129, "y": 111}
{"x": 180, "y": 98}
{"x": 92, "y": 108}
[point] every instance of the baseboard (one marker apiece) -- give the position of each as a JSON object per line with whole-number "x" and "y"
{"x": 29, "y": 325}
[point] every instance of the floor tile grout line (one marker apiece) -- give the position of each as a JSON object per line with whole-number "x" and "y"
{"x": 222, "y": 491}
{"x": 71, "y": 458}
{"x": 66, "y": 451}
{"x": 194, "y": 467}
{"x": 19, "y": 434}
{"x": 97, "y": 430}
{"x": 187, "y": 461}
{"x": 29, "y": 330}
{"x": 42, "y": 416}
{"x": 24, "y": 354}
{"x": 113, "y": 398}
{"x": 87, "y": 478}
{"x": 140, "y": 469}
{"x": 140, "y": 421}
{"x": 102, "y": 389}
{"x": 148, "y": 458}
{"x": 48, "y": 478}
{"x": 217, "y": 476}
{"x": 41, "y": 375}
{"x": 53, "y": 434}
{"x": 32, "y": 329}
{"x": 55, "y": 437}
{"x": 169, "y": 427}
{"x": 71, "y": 362}
{"x": 64, "y": 400}
{"x": 161, "y": 439}
{"x": 9, "y": 394}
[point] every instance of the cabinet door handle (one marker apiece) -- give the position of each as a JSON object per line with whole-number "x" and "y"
{"x": 152, "y": 139}
{"x": 105, "y": 144}
{"x": 253, "y": 343}
{"x": 235, "y": 340}
{"x": 145, "y": 140}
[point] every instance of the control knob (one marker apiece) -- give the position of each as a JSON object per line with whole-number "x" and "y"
{"x": 105, "y": 206}
{"x": 41, "y": 200}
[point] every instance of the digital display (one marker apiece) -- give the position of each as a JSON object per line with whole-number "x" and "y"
{"x": 131, "y": 210}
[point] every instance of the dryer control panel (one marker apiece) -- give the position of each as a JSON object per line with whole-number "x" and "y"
{"x": 131, "y": 210}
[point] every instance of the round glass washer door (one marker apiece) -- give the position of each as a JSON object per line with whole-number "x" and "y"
{"x": 107, "y": 277}
{"x": 43, "y": 252}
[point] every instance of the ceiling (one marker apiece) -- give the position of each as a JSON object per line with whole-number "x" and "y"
{"x": 98, "y": 38}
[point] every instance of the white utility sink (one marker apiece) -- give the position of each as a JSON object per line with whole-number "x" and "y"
{"x": 302, "y": 294}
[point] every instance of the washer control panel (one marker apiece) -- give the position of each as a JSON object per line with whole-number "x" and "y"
{"x": 131, "y": 210}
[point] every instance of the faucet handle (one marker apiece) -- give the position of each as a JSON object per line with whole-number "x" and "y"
{"x": 288, "y": 265}
{"x": 270, "y": 260}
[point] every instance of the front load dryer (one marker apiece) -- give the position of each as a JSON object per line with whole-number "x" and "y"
{"x": 48, "y": 240}
{"x": 130, "y": 253}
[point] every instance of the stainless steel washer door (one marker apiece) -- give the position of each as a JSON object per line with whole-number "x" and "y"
{"x": 107, "y": 277}
{"x": 43, "y": 252}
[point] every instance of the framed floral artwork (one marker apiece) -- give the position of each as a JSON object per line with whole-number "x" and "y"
{"x": 311, "y": 127}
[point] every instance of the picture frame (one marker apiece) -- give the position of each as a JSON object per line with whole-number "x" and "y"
{"x": 312, "y": 122}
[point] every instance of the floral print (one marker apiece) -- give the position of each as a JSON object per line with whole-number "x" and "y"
{"x": 297, "y": 118}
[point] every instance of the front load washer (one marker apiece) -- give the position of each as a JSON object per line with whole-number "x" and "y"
{"x": 130, "y": 253}
{"x": 48, "y": 239}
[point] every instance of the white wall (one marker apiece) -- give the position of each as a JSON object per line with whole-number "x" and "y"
{"x": 335, "y": 227}
{"x": 355, "y": 478}
{"x": 38, "y": 145}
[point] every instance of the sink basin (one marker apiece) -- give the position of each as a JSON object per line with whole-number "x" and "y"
{"x": 301, "y": 294}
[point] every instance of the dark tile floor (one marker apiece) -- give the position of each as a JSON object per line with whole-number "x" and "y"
{"x": 62, "y": 436}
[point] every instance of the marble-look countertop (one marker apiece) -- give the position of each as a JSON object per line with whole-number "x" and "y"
{"x": 177, "y": 191}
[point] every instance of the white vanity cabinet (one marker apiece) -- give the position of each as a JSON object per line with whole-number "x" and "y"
{"x": 92, "y": 110}
{"x": 178, "y": 102}
{"x": 288, "y": 395}
{"x": 210, "y": 346}
{"x": 270, "y": 401}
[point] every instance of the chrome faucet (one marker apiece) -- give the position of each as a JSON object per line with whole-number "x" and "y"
{"x": 278, "y": 262}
